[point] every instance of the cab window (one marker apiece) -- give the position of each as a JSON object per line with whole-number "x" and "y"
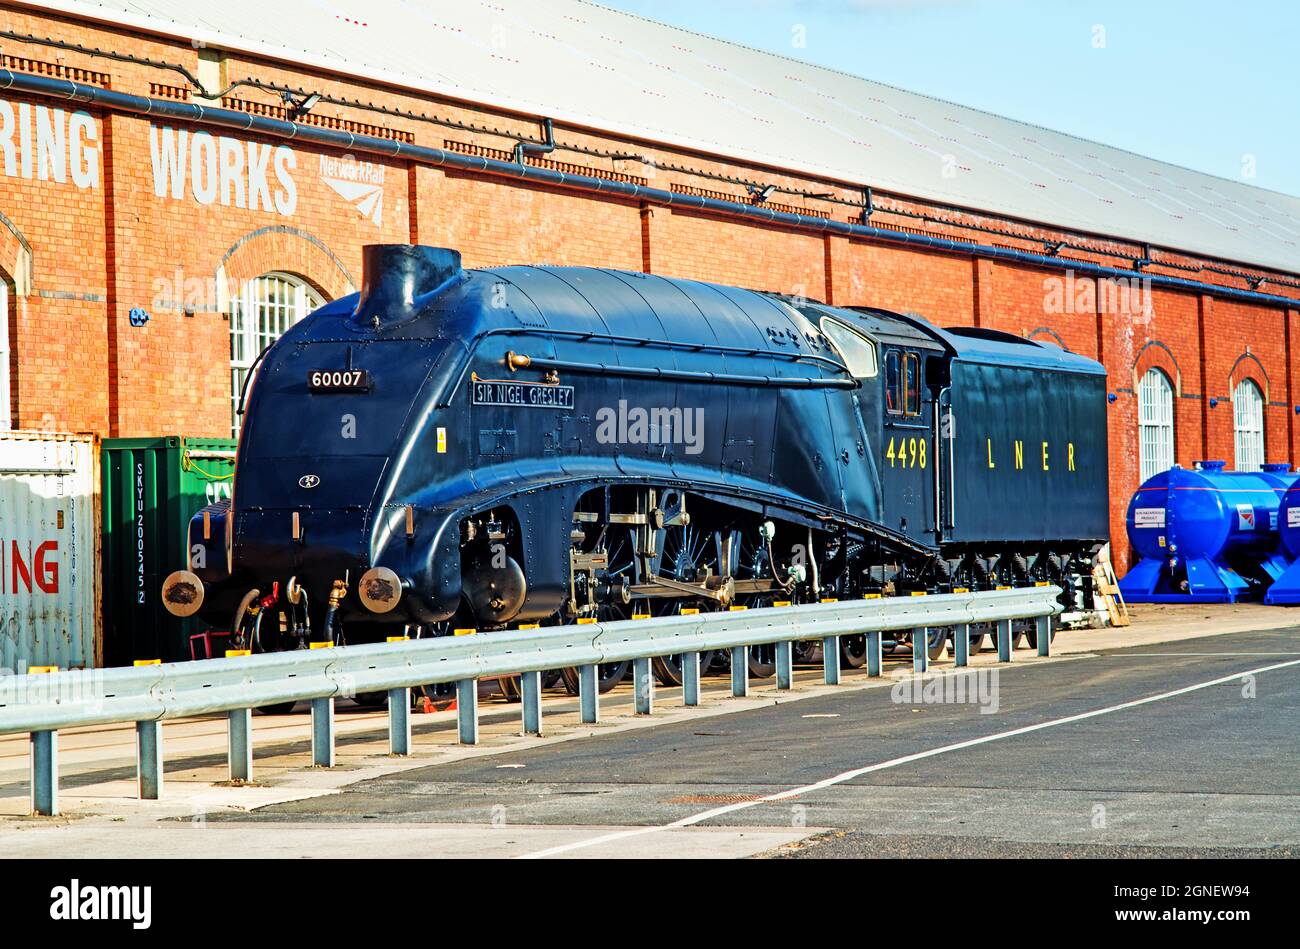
{"x": 858, "y": 352}
{"x": 902, "y": 383}
{"x": 894, "y": 383}
{"x": 912, "y": 384}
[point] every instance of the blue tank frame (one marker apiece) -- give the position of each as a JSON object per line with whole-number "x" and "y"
{"x": 1206, "y": 535}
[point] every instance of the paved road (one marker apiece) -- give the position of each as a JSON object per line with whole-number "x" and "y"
{"x": 1211, "y": 771}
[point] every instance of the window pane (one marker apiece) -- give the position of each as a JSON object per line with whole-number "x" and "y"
{"x": 859, "y": 353}
{"x": 1155, "y": 424}
{"x": 893, "y": 383}
{"x": 1248, "y": 425}
{"x": 912, "y": 367}
{"x": 6, "y": 419}
{"x": 260, "y": 314}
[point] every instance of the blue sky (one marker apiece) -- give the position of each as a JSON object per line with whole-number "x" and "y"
{"x": 1202, "y": 84}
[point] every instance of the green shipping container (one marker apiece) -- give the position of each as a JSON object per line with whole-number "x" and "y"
{"x": 151, "y": 488}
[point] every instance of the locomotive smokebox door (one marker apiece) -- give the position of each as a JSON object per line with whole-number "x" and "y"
{"x": 908, "y": 457}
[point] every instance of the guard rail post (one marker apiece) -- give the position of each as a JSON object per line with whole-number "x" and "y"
{"x": 875, "y": 654}
{"x": 961, "y": 645}
{"x": 530, "y": 696}
{"x": 399, "y": 722}
{"x": 1044, "y": 624}
{"x": 785, "y": 665}
{"x": 644, "y": 684}
{"x": 322, "y": 732}
{"x": 148, "y": 758}
{"x": 589, "y": 694}
{"x": 239, "y": 739}
{"x": 1004, "y": 640}
{"x": 45, "y": 773}
{"x": 831, "y": 660}
{"x": 739, "y": 671}
{"x": 691, "y": 679}
{"x": 467, "y": 711}
{"x": 920, "y": 650}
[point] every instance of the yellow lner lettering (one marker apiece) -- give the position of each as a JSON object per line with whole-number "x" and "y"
{"x": 1020, "y": 454}
{"x": 989, "y": 443}
{"x": 1070, "y": 452}
{"x": 1045, "y": 468}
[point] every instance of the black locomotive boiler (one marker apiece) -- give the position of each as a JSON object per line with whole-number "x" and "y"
{"x": 453, "y": 449}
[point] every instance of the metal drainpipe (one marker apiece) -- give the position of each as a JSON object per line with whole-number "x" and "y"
{"x": 278, "y": 128}
{"x": 532, "y": 148}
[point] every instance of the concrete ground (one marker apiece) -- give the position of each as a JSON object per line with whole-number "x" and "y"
{"x": 821, "y": 771}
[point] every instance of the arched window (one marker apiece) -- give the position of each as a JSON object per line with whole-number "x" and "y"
{"x": 6, "y": 355}
{"x": 1248, "y": 425}
{"x": 1155, "y": 423}
{"x": 259, "y": 315}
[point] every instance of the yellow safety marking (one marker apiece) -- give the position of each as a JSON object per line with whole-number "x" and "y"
{"x": 920, "y": 593}
{"x": 830, "y": 599}
{"x": 871, "y": 596}
{"x": 640, "y": 615}
{"x": 464, "y": 632}
{"x": 781, "y": 603}
{"x": 398, "y": 639}
{"x": 738, "y": 609}
{"x": 961, "y": 589}
{"x": 690, "y": 611}
{"x": 238, "y": 653}
{"x": 148, "y": 662}
{"x": 586, "y": 620}
{"x": 320, "y": 645}
{"x": 1002, "y": 588}
{"x": 442, "y": 441}
{"x": 1041, "y": 583}
{"x": 530, "y": 625}
{"x": 41, "y": 670}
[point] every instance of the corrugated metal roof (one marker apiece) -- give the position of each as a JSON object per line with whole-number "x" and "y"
{"x": 584, "y": 64}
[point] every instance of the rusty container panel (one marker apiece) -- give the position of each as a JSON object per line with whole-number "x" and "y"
{"x": 49, "y": 540}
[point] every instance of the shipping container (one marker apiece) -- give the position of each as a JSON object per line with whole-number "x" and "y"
{"x": 151, "y": 489}
{"x": 49, "y": 536}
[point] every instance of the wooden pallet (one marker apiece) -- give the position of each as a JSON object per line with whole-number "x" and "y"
{"x": 1103, "y": 576}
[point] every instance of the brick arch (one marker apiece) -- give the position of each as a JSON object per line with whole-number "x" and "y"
{"x": 283, "y": 249}
{"x": 1156, "y": 355}
{"x": 1047, "y": 331}
{"x": 15, "y": 256}
{"x": 1248, "y": 366}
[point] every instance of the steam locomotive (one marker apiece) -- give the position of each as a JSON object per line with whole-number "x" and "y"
{"x": 458, "y": 449}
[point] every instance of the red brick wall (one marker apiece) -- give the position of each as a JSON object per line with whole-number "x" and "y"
{"x": 97, "y": 252}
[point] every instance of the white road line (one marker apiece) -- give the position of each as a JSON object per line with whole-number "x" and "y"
{"x": 894, "y": 763}
{"x": 1225, "y": 655}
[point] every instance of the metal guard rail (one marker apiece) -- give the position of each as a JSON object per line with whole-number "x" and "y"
{"x": 147, "y": 695}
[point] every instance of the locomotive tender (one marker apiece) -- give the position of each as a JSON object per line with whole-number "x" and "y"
{"x": 453, "y": 449}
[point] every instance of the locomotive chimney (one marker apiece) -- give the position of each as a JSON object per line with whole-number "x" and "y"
{"x": 394, "y": 278}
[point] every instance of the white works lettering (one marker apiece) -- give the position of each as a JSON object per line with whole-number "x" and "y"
{"x": 221, "y": 170}
{"x": 49, "y": 144}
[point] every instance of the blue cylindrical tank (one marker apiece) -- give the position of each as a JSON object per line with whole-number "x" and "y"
{"x": 1199, "y": 530}
{"x": 1288, "y": 522}
{"x": 1285, "y": 589}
